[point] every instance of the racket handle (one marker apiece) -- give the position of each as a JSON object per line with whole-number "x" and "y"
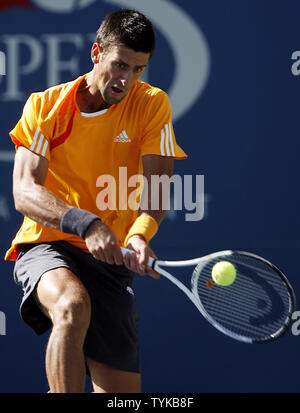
{"x": 151, "y": 260}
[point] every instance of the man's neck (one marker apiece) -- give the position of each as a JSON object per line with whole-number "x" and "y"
{"x": 88, "y": 97}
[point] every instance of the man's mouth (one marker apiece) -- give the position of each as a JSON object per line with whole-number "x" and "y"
{"x": 116, "y": 90}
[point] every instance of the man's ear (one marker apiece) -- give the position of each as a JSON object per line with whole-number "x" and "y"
{"x": 96, "y": 51}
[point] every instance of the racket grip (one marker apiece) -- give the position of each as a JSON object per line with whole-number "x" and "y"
{"x": 151, "y": 260}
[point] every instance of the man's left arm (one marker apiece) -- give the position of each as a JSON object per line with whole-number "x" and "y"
{"x": 149, "y": 218}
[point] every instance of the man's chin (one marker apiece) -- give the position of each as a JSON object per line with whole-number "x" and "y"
{"x": 112, "y": 100}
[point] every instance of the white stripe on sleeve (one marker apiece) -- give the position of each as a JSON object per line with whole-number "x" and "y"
{"x": 167, "y": 139}
{"x": 171, "y": 139}
{"x": 35, "y": 138}
{"x": 162, "y": 150}
{"x": 39, "y": 145}
{"x": 44, "y": 148}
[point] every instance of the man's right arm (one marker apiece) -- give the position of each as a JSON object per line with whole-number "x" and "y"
{"x": 36, "y": 202}
{"x": 31, "y": 197}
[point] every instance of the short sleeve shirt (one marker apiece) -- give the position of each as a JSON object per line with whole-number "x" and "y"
{"x": 93, "y": 156}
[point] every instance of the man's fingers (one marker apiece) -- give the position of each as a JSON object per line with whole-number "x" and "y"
{"x": 118, "y": 257}
{"x": 131, "y": 261}
{"x": 110, "y": 255}
{"x": 143, "y": 262}
{"x": 103, "y": 244}
{"x": 139, "y": 264}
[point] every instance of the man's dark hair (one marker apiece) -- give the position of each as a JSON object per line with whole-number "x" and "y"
{"x": 129, "y": 28}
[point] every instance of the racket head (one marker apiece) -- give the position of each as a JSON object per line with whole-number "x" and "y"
{"x": 256, "y": 308}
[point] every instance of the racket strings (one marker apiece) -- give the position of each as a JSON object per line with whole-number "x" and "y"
{"x": 257, "y": 304}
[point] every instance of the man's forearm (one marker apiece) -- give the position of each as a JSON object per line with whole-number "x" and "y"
{"x": 41, "y": 205}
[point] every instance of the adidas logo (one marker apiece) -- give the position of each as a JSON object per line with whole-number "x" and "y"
{"x": 122, "y": 137}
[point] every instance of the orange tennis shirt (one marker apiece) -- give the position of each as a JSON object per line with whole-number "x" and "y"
{"x": 91, "y": 154}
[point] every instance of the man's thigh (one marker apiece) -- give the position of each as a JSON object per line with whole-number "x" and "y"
{"x": 58, "y": 289}
{"x": 107, "y": 379}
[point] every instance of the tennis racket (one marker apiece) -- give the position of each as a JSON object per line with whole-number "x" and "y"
{"x": 256, "y": 308}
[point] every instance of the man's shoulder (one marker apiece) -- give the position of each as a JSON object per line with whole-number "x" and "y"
{"x": 150, "y": 99}
{"x": 52, "y": 108}
{"x": 147, "y": 91}
{"x": 50, "y": 96}
{"x": 147, "y": 98}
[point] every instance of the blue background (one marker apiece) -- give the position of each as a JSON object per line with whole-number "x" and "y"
{"x": 242, "y": 134}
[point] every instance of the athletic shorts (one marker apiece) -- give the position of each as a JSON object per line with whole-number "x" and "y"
{"x": 112, "y": 336}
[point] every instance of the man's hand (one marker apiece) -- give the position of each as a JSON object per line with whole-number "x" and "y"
{"x": 103, "y": 243}
{"x": 138, "y": 261}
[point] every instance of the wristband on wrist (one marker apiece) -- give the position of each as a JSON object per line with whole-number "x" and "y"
{"x": 76, "y": 221}
{"x": 145, "y": 226}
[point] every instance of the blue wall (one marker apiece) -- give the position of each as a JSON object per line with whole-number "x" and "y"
{"x": 228, "y": 69}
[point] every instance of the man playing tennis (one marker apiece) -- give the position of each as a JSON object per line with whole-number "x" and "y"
{"x": 68, "y": 249}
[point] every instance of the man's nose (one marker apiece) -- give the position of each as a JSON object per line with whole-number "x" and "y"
{"x": 125, "y": 78}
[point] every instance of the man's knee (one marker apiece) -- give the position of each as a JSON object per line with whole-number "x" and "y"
{"x": 64, "y": 299}
{"x": 72, "y": 311}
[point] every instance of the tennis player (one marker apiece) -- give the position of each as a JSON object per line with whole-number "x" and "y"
{"x": 67, "y": 251}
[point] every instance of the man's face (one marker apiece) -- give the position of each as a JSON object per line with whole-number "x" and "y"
{"x": 117, "y": 70}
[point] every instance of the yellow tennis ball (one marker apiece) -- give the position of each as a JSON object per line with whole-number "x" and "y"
{"x": 223, "y": 273}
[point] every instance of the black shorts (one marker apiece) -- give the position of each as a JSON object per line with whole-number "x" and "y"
{"x": 112, "y": 336}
